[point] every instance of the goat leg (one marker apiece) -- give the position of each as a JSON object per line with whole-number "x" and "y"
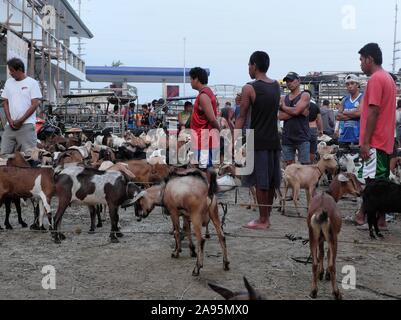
{"x": 57, "y": 236}
{"x": 114, "y": 223}
{"x": 376, "y": 226}
{"x": 17, "y": 203}
{"x": 328, "y": 274}
{"x": 321, "y": 258}
{"x": 7, "y": 224}
{"x": 187, "y": 228}
{"x": 93, "y": 211}
{"x": 200, "y": 246}
{"x": 207, "y": 234}
{"x": 35, "y": 225}
{"x": 175, "y": 219}
{"x": 214, "y": 215}
{"x": 313, "y": 243}
{"x": 99, "y": 209}
{"x": 332, "y": 267}
{"x": 371, "y": 220}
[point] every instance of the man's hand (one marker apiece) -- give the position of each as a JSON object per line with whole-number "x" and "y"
{"x": 365, "y": 152}
{"x": 17, "y": 124}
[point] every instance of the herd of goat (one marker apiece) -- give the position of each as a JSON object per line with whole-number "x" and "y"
{"x": 109, "y": 171}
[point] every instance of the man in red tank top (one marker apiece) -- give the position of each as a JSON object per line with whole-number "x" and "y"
{"x": 204, "y": 125}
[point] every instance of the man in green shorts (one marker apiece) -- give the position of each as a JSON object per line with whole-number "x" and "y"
{"x": 377, "y": 118}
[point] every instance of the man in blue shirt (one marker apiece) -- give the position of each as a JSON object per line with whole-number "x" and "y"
{"x": 350, "y": 112}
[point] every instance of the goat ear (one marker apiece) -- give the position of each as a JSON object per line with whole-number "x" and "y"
{"x": 225, "y": 293}
{"x": 343, "y": 178}
{"x": 251, "y": 291}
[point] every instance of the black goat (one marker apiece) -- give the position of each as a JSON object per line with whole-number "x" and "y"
{"x": 380, "y": 197}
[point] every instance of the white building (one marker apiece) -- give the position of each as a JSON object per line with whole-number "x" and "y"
{"x": 40, "y": 32}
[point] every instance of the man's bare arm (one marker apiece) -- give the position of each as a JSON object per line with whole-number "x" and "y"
{"x": 283, "y": 116}
{"x": 301, "y": 107}
{"x": 246, "y": 100}
{"x": 373, "y": 115}
{"x": 319, "y": 122}
{"x": 32, "y": 109}
{"x": 7, "y": 112}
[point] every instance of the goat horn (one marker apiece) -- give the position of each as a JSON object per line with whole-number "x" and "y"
{"x": 139, "y": 196}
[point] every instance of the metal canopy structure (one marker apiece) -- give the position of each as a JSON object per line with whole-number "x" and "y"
{"x": 137, "y": 74}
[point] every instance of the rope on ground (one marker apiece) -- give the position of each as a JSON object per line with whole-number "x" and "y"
{"x": 231, "y": 235}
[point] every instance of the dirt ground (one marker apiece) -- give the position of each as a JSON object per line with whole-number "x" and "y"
{"x": 141, "y": 267}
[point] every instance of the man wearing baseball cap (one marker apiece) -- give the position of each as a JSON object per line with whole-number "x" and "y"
{"x": 350, "y": 112}
{"x": 294, "y": 111}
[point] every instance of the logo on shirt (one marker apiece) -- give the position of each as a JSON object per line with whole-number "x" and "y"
{"x": 24, "y": 88}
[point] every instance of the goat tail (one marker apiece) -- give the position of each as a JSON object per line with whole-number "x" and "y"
{"x": 322, "y": 217}
{"x": 213, "y": 186}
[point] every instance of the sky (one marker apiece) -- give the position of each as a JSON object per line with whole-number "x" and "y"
{"x": 302, "y": 36}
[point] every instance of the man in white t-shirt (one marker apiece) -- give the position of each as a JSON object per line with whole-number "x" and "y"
{"x": 21, "y": 96}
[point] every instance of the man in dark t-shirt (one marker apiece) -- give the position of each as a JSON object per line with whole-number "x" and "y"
{"x": 294, "y": 111}
{"x": 262, "y": 97}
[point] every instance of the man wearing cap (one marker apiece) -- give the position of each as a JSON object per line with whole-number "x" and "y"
{"x": 294, "y": 111}
{"x": 350, "y": 112}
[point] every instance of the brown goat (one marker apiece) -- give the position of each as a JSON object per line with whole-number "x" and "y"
{"x": 146, "y": 173}
{"x": 28, "y": 183}
{"x": 324, "y": 224}
{"x": 345, "y": 183}
{"x": 306, "y": 177}
{"x": 190, "y": 195}
{"x": 15, "y": 160}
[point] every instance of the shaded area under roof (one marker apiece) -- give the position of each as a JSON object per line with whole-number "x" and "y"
{"x": 138, "y": 74}
{"x": 76, "y": 26}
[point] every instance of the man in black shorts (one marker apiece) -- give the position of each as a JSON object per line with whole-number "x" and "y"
{"x": 263, "y": 95}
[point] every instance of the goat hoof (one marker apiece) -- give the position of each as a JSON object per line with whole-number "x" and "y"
{"x": 372, "y": 236}
{"x": 175, "y": 255}
{"x": 193, "y": 254}
{"x": 226, "y": 266}
{"x": 23, "y": 225}
{"x": 321, "y": 275}
{"x": 328, "y": 276}
{"x": 207, "y": 236}
{"x": 56, "y": 239}
{"x": 195, "y": 273}
{"x": 337, "y": 295}
{"x": 62, "y": 237}
{"x": 114, "y": 240}
{"x": 1, "y": 228}
{"x": 119, "y": 235}
{"x": 91, "y": 231}
{"x": 248, "y": 208}
{"x": 99, "y": 225}
{"x": 34, "y": 227}
{"x": 380, "y": 235}
{"x": 42, "y": 228}
{"x": 9, "y": 227}
{"x": 313, "y": 294}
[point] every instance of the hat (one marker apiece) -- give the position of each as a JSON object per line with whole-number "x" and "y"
{"x": 351, "y": 78}
{"x": 291, "y": 76}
